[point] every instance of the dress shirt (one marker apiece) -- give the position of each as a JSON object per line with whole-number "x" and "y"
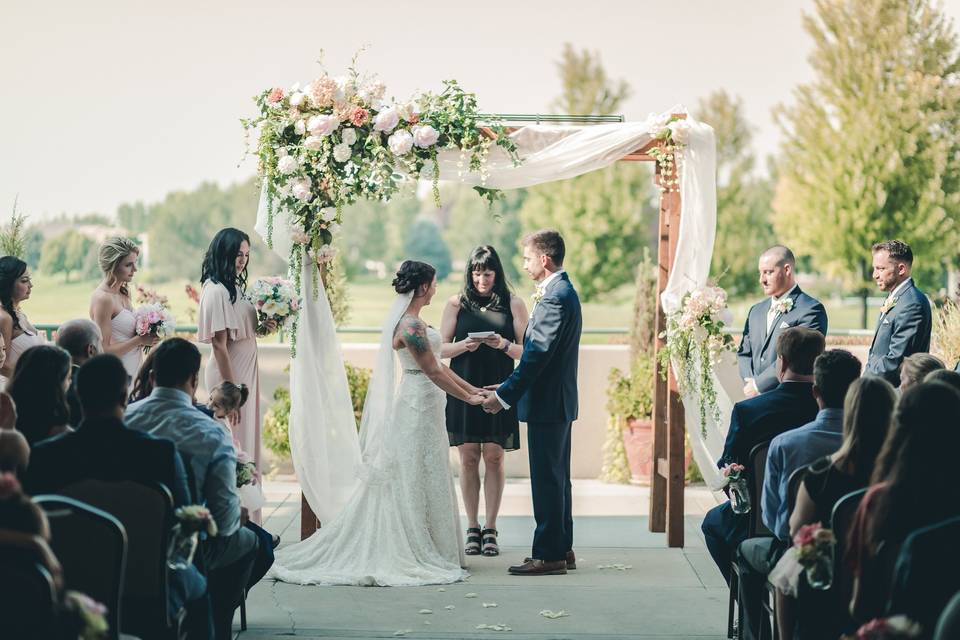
{"x": 204, "y": 444}
{"x": 788, "y": 452}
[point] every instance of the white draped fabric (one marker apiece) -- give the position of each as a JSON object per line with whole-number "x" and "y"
{"x": 323, "y": 439}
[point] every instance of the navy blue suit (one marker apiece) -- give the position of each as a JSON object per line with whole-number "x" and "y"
{"x": 901, "y": 331}
{"x": 544, "y": 389}
{"x": 757, "y": 355}
{"x": 753, "y": 421}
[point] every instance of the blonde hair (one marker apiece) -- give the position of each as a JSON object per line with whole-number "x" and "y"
{"x": 112, "y": 251}
{"x": 916, "y": 367}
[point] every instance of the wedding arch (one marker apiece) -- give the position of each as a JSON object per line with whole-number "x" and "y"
{"x": 325, "y": 145}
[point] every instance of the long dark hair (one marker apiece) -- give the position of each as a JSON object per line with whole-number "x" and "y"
{"x": 220, "y": 261}
{"x": 867, "y": 414}
{"x": 11, "y": 268}
{"x": 142, "y": 385}
{"x": 485, "y": 258}
{"x": 37, "y": 390}
{"x": 917, "y": 464}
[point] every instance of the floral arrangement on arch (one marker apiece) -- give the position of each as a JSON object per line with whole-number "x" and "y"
{"x": 673, "y": 131}
{"x": 695, "y": 340}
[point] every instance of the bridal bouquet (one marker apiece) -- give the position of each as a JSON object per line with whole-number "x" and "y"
{"x": 275, "y": 299}
{"x": 154, "y": 318}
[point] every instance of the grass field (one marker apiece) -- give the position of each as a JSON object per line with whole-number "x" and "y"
{"x": 54, "y": 301}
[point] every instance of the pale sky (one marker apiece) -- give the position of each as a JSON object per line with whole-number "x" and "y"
{"x": 110, "y": 101}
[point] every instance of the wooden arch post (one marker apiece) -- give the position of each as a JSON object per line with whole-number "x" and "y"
{"x": 667, "y": 475}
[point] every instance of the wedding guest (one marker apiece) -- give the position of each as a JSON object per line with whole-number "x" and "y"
{"x": 238, "y": 556}
{"x": 913, "y": 487}
{"x": 39, "y": 390}
{"x": 8, "y": 412}
{"x": 786, "y": 306}
{"x": 104, "y": 448}
{"x": 904, "y": 325}
{"x": 951, "y": 378}
{"x": 18, "y": 512}
{"x": 228, "y": 322}
{"x": 916, "y": 367}
{"x": 14, "y": 452}
{"x": 82, "y": 340}
{"x": 757, "y": 420}
{"x": 484, "y": 305}
{"x": 15, "y": 329}
{"x": 833, "y": 373}
{"x": 111, "y": 306}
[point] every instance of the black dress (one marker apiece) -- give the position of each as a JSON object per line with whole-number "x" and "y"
{"x": 485, "y": 366}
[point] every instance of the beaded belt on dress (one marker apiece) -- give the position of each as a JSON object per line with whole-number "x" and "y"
{"x": 415, "y": 372}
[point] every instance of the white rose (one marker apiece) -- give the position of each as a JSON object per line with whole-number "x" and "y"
{"x": 400, "y": 143}
{"x": 287, "y": 165}
{"x": 349, "y": 135}
{"x": 314, "y": 143}
{"x": 342, "y": 152}
{"x": 680, "y": 130}
{"x": 322, "y": 125}
{"x": 301, "y": 189}
{"x": 328, "y": 213}
{"x": 425, "y": 136}
{"x": 386, "y": 120}
{"x": 300, "y": 127}
{"x": 281, "y": 151}
{"x": 296, "y": 99}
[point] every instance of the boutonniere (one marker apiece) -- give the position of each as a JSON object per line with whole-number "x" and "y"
{"x": 890, "y": 303}
{"x": 783, "y": 305}
{"x": 537, "y": 295}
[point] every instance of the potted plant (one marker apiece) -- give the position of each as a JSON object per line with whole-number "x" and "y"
{"x": 630, "y": 406}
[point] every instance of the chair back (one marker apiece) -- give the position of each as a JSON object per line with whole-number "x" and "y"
{"x": 757, "y": 468}
{"x": 841, "y": 519}
{"x": 948, "y": 627}
{"x": 793, "y": 486}
{"x": 146, "y": 512}
{"x": 92, "y": 547}
{"x": 27, "y": 590}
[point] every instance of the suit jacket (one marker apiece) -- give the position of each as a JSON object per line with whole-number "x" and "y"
{"x": 766, "y": 416}
{"x": 901, "y": 331}
{"x": 757, "y": 355}
{"x": 544, "y": 385}
{"x": 105, "y": 449}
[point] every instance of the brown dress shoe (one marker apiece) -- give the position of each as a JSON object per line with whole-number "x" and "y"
{"x": 571, "y": 561}
{"x": 534, "y": 567}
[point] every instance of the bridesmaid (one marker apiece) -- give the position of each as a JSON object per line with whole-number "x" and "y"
{"x": 228, "y": 322}
{"x": 15, "y": 329}
{"x": 111, "y": 307}
{"x": 484, "y": 305}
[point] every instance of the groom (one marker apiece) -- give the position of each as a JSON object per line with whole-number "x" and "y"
{"x": 544, "y": 388}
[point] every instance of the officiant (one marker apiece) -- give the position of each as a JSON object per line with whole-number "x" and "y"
{"x": 786, "y": 305}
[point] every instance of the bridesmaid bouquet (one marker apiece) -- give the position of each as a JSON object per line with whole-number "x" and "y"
{"x": 155, "y": 319}
{"x": 274, "y": 299}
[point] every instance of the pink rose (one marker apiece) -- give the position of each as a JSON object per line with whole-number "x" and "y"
{"x": 805, "y": 535}
{"x": 359, "y": 116}
{"x": 275, "y": 96}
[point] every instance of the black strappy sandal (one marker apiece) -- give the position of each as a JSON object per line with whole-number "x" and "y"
{"x": 490, "y": 546}
{"x": 472, "y": 547}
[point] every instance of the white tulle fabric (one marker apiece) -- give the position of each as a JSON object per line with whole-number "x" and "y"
{"x": 325, "y": 450}
{"x": 401, "y": 526}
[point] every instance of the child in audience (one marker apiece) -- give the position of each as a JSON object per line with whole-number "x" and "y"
{"x": 225, "y": 401}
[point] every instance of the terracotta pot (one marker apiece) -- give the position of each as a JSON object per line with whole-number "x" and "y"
{"x": 638, "y": 441}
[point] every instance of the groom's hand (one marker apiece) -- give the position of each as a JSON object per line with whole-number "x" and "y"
{"x": 492, "y": 387}
{"x": 492, "y": 404}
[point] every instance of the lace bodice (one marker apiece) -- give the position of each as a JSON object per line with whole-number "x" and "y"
{"x": 408, "y": 362}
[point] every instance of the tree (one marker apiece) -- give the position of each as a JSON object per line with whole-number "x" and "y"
{"x": 69, "y": 253}
{"x": 870, "y": 147}
{"x": 744, "y": 230}
{"x": 601, "y": 214}
{"x": 426, "y": 244}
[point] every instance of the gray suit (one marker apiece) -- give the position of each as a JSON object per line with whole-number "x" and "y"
{"x": 757, "y": 355}
{"x": 901, "y": 331}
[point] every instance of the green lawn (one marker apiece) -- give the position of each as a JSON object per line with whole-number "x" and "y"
{"x": 54, "y": 301}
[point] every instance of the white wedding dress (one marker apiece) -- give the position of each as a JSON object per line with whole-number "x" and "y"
{"x": 401, "y": 525}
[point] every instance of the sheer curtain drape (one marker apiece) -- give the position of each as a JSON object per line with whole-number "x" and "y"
{"x": 323, "y": 439}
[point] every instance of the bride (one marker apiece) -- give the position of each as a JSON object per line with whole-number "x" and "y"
{"x": 401, "y": 526}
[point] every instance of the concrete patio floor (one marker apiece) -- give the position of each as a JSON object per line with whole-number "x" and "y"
{"x": 665, "y": 593}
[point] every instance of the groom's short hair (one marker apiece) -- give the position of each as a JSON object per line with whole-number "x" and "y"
{"x": 549, "y": 243}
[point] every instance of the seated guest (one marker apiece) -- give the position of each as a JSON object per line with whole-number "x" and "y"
{"x": 914, "y": 486}
{"x": 8, "y": 411}
{"x": 103, "y": 448}
{"x": 237, "y": 557}
{"x": 927, "y": 573}
{"x": 944, "y": 376}
{"x": 142, "y": 385}
{"x": 82, "y": 340}
{"x": 18, "y": 512}
{"x": 14, "y": 452}
{"x": 39, "y": 390}
{"x": 833, "y": 373}
{"x": 916, "y": 367}
{"x": 757, "y": 420}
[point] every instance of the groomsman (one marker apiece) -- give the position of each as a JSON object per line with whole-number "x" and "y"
{"x": 904, "y": 325}
{"x": 786, "y": 306}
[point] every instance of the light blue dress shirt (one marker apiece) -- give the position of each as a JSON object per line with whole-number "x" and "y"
{"x": 788, "y": 452}
{"x": 204, "y": 444}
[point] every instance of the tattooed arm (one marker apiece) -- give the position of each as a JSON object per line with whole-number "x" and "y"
{"x": 412, "y": 334}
